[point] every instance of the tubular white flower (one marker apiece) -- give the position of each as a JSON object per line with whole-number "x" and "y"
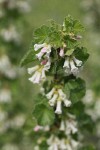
{"x": 43, "y": 76}
{"x": 74, "y": 144}
{"x": 78, "y": 62}
{"x": 74, "y": 69}
{"x": 39, "y": 55}
{"x": 53, "y": 100}
{"x": 38, "y": 46}
{"x": 38, "y": 78}
{"x": 62, "y": 126}
{"x": 67, "y": 103}
{"x": 32, "y": 69}
{"x": 71, "y": 124}
{"x": 66, "y": 63}
{"x": 49, "y": 95}
{"x": 33, "y": 77}
{"x": 58, "y": 107}
{"x": 45, "y": 49}
{"x": 61, "y": 93}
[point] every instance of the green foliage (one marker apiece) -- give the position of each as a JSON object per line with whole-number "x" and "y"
{"x": 28, "y": 58}
{"x": 41, "y": 34}
{"x": 81, "y": 53}
{"x": 71, "y": 25}
{"x": 44, "y": 114}
{"x": 76, "y": 88}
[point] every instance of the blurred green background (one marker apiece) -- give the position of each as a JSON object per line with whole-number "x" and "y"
{"x": 18, "y": 20}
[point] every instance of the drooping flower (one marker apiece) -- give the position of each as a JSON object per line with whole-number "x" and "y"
{"x": 44, "y": 48}
{"x": 69, "y": 125}
{"x": 39, "y": 72}
{"x": 72, "y": 65}
{"x": 61, "y": 53}
{"x": 53, "y": 143}
{"x": 56, "y": 96}
{"x": 68, "y": 144}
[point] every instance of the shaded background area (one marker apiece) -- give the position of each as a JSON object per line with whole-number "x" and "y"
{"x": 17, "y": 23}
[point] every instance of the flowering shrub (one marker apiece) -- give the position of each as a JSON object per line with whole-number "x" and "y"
{"x": 57, "y": 56}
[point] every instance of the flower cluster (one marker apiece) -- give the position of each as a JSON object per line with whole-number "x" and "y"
{"x": 56, "y": 96}
{"x": 69, "y": 125}
{"x": 59, "y": 58}
{"x": 65, "y": 143}
{"x": 72, "y": 65}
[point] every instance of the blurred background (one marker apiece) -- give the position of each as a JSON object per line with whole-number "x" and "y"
{"x": 18, "y": 20}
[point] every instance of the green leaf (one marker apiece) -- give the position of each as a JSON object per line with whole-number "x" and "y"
{"x": 41, "y": 34}
{"x": 77, "y": 26}
{"x": 69, "y": 52}
{"x": 81, "y": 53}
{"x": 72, "y": 25}
{"x": 76, "y": 88}
{"x": 44, "y": 114}
{"x": 29, "y": 57}
{"x": 55, "y": 38}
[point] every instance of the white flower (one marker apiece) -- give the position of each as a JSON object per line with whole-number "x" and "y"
{"x": 45, "y": 49}
{"x": 72, "y": 65}
{"x": 58, "y": 107}
{"x": 56, "y": 96}
{"x": 61, "y": 93}
{"x": 66, "y": 64}
{"x": 39, "y": 72}
{"x": 62, "y": 126}
{"x": 78, "y": 62}
{"x": 67, "y": 102}
{"x": 69, "y": 125}
{"x": 38, "y": 46}
{"x": 53, "y": 100}
{"x": 53, "y": 143}
{"x": 74, "y": 69}
{"x": 33, "y": 69}
{"x": 49, "y": 95}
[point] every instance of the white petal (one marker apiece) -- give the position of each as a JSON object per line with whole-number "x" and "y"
{"x": 53, "y": 100}
{"x": 62, "y": 126}
{"x": 78, "y": 62}
{"x": 66, "y": 64}
{"x": 49, "y": 95}
{"x": 48, "y": 49}
{"x": 61, "y": 93}
{"x": 48, "y": 64}
{"x": 33, "y": 69}
{"x": 67, "y": 102}
{"x": 38, "y": 46}
{"x": 33, "y": 77}
{"x": 39, "y": 55}
{"x": 58, "y": 108}
{"x": 74, "y": 143}
{"x": 43, "y": 76}
{"x": 74, "y": 69}
{"x": 38, "y": 78}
